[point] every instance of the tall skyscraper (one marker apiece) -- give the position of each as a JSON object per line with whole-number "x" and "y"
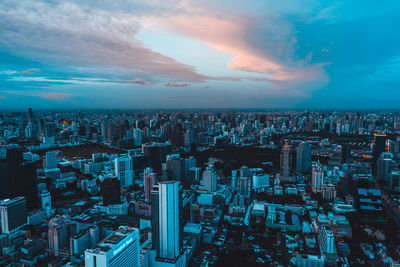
{"x": 169, "y": 219}
{"x": 285, "y": 163}
{"x": 303, "y": 157}
{"x": 137, "y": 137}
{"x": 30, "y": 114}
{"x": 121, "y": 248}
{"x": 166, "y": 225}
{"x": 378, "y": 148}
{"x": 149, "y": 180}
{"x": 124, "y": 170}
{"x": 384, "y": 168}
{"x": 13, "y": 214}
{"x": 317, "y": 178}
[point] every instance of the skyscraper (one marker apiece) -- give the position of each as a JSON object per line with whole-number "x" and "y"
{"x": 285, "y": 163}
{"x": 317, "y": 178}
{"x": 124, "y": 170}
{"x": 209, "y": 181}
{"x": 379, "y": 147}
{"x": 13, "y": 214}
{"x": 384, "y": 168}
{"x": 169, "y": 219}
{"x": 303, "y": 157}
{"x": 30, "y": 114}
{"x": 149, "y": 180}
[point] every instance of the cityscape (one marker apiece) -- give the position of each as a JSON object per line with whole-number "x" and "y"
{"x": 200, "y": 188}
{"x": 199, "y": 133}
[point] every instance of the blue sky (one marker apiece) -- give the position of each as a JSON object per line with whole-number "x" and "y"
{"x": 199, "y": 54}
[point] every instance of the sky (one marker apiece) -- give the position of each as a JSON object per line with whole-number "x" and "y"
{"x": 138, "y": 54}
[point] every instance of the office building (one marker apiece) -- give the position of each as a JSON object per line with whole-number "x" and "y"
{"x": 13, "y": 214}
{"x": 50, "y": 160}
{"x": 45, "y": 198}
{"x": 121, "y": 248}
{"x": 286, "y": 162}
{"x": 149, "y": 180}
{"x": 124, "y": 170}
{"x": 209, "y": 181}
{"x": 169, "y": 219}
{"x": 326, "y": 240}
{"x": 317, "y": 178}
{"x": 166, "y": 225}
{"x": 303, "y": 157}
{"x": 58, "y": 235}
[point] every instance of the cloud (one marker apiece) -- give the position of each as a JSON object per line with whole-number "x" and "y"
{"x": 238, "y": 36}
{"x": 142, "y": 81}
{"x": 29, "y": 71}
{"x": 65, "y": 33}
{"x": 172, "y": 84}
{"x": 54, "y": 96}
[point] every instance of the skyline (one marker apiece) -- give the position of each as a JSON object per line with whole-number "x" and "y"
{"x": 199, "y": 54}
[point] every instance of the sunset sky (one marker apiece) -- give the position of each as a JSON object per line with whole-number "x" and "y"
{"x": 199, "y": 54}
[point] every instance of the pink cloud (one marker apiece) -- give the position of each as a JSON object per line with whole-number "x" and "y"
{"x": 172, "y": 84}
{"x": 29, "y": 71}
{"x": 141, "y": 81}
{"x": 54, "y": 96}
{"x": 234, "y": 34}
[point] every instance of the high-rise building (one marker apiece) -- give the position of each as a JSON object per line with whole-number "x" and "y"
{"x": 384, "y": 168}
{"x": 209, "y": 181}
{"x": 234, "y": 179}
{"x": 169, "y": 219}
{"x": 19, "y": 178}
{"x": 327, "y": 240}
{"x": 111, "y": 191}
{"x": 285, "y": 163}
{"x": 13, "y": 214}
{"x": 50, "y": 160}
{"x": 149, "y": 180}
{"x": 317, "y": 178}
{"x": 46, "y": 202}
{"x": 137, "y": 137}
{"x": 166, "y": 222}
{"x": 260, "y": 181}
{"x": 58, "y": 235}
{"x": 124, "y": 170}
{"x": 379, "y": 146}
{"x": 188, "y": 163}
{"x": 174, "y": 167}
{"x": 389, "y": 146}
{"x": 30, "y": 114}
{"x": 244, "y": 186}
{"x": 303, "y": 157}
{"x": 121, "y": 248}
{"x": 50, "y": 129}
{"x": 328, "y": 191}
